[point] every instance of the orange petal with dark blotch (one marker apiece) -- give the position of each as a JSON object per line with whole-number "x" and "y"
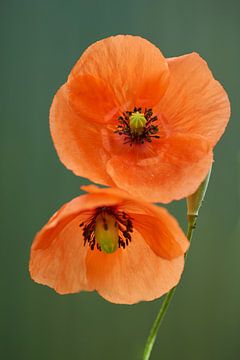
{"x": 77, "y": 140}
{"x": 135, "y": 69}
{"x": 194, "y": 102}
{"x": 181, "y": 164}
{"x": 134, "y": 274}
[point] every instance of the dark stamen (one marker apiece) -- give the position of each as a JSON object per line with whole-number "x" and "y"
{"x": 132, "y": 137}
{"x": 123, "y": 222}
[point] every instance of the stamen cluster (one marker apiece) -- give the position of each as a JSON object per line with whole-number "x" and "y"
{"x": 133, "y": 137}
{"x": 123, "y": 222}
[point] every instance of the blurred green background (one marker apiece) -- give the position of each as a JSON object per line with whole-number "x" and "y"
{"x": 40, "y": 42}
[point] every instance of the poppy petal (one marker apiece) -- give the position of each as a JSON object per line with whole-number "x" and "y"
{"x": 57, "y": 253}
{"x": 117, "y": 60}
{"x": 59, "y": 261}
{"x": 162, "y": 233}
{"x": 134, "y": 274}
{"x": 159, "y": 228}
{"x": 77, "y": 141}
{"x": 194, "y": 101}
{"x": 181, "y": 165}
{"x": 92, "y": 99}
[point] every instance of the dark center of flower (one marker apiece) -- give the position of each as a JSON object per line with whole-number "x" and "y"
{"x": 108, "y": 229}
{"x": 137, "y": 126}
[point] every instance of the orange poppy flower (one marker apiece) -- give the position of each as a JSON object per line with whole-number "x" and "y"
{"x": 106, "y": 240}
{"x": 128, "y": 117}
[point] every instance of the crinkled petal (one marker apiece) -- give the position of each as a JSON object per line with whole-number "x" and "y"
{"x": 93, "y": 99}
{"x": 181, "y": 164}
{"x": 162, "y": 233}
{"x": 60, "y": 263}
{"x": 57, "y": 253}
{"x": 194, "y": 102}
{"x": 134, "y": 274}
{"x": 77, "y": 141}
{"x": 134, "y": 68}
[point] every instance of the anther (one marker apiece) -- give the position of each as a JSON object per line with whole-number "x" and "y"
{"x": 108, "y": 229}
{"x": 137, "y": 126}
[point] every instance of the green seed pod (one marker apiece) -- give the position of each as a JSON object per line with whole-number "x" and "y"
{"x": 137, "y": 122}
{"x": 106, "y": 232}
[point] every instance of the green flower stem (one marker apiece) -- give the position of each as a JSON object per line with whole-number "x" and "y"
{"x": 192, "y": 219}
